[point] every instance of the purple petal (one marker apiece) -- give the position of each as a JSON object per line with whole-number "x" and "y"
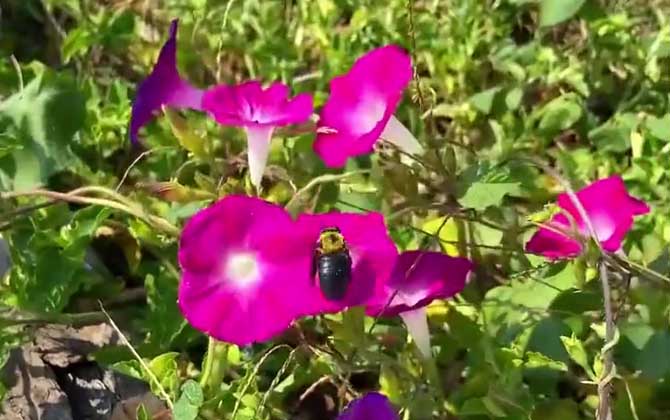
{"x": 611, "y": 211}
{"x": 551, "y": 243}
{"x": 242, "y": 281}
{"x": 371, "y": 251}
{"x": 162, "y": 87}
{"x": 418, "y": 278}
{"x": 361, "y": 103}
{"x": 249, "y": 104}
{"x": 372, "y": 406}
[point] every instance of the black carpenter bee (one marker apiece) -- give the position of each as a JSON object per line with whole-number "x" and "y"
{"x": 332, "y": 262}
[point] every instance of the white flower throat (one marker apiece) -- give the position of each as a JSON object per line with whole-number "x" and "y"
{"x": 242, "y": 269}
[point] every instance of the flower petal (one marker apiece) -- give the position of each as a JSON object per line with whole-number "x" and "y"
{"x": 418, "y": 278}
{"x": 237, "y": 259}
{"x": 361, "y": 103}
{"x": 372, "y": 406}
{"x": 249, "y": 104}
{"x": 258, "y": 138}
{"x": 416, "y": 322}
{"x": 396, "y": 133}
{"x": 552, "y": 244}
{"x": 370, "y": 248}
{"x": 611, "y": 211}
{"x": 163, "y": 86}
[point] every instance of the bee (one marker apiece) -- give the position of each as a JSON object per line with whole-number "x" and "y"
{"x": 332, "y": 262}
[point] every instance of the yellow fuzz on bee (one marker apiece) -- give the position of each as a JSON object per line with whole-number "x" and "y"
{"x": 331, "y": 242}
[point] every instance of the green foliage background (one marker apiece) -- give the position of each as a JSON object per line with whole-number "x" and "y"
{"x": 582, "y": 85}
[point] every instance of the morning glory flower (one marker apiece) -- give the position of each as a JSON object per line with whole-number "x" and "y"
{"x": 611, "y": 211}
{"x": 413, "y": 279}
{"x": 247, "y": 267}
{"x": 259, "y": 111}
{"x": 371, "y": 406}
{"x": 242, "y": 279}
{"x": 247, "y": 271}
{"x": 418, "y": 278}
{"x": 360, "y": 108}
{"x": 162, "y": 87}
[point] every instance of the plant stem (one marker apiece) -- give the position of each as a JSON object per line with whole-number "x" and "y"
{"x": 154, "y": 221}
{"x": 152, "y": 376}
{"x": 76, "y": 319}
{"x": 317, "y": 181}
{"x": 604, "y": 385}
{"x": 215, "y": 364}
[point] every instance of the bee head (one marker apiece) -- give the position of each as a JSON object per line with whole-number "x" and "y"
{"x": 331, "y": 240}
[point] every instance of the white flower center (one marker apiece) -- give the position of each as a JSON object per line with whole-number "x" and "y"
{"x": 242, "y": 269}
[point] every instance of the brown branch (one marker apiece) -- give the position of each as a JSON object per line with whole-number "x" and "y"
{"x": 605, "y": 385}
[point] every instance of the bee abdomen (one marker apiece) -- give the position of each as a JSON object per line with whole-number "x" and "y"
{"x": 334, "y": 274}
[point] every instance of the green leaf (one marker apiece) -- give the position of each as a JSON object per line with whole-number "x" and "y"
{"x": 553, "y": 12}
{"x": 484, "y": 406}
{"x": 576, "y": 301}
{"x": 483, "y": 101}
{"x": 560, "y": 114}
{"x": 539, "y": 360}
{"x": 493, "y": 407}
{"x": 29, "y": 171}
{"x": 183, "y": 410}
{"x": 164, "y": 321}
{"x": 45, "y": 116}
{"x": 192, "y": 391}
{"x": 639, "y": 334}
{"x": 659, "y": 127}
{"x": 578, "y": 354}
{"x": 611, "y": 137}
{"x": 513, "y": 98}
{"x": 353, "y": 323}
{"x": 481, "y": 195}
{"x": 166, "y": 370}
{"x": 546, "y": 339}
{"x": 76, "y": 43}
{"x": 448, "y": 233}
{"x": 390, "y": 383}
{"x": 185, "y": 134}
{"x": 653, "y": 361}
{"x": 131, "y": 368}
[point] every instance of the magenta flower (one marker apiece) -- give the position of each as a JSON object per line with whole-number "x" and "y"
{"x": 361, "y": 105}
{"x": 371, "y": 406}
{"x": 259, "y": 111}
{"x": 242, "y": 279}
{"x": 378, "y": 272}
{"x": 417, "y": 279}
{"x": 247, "y": 271}
{"x": 162, "y": 87}
{"x": 372, "y": 252}
{"x": 609, "y": 207}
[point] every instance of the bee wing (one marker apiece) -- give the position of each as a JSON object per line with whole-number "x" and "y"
{"x": 315, "y": 257}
